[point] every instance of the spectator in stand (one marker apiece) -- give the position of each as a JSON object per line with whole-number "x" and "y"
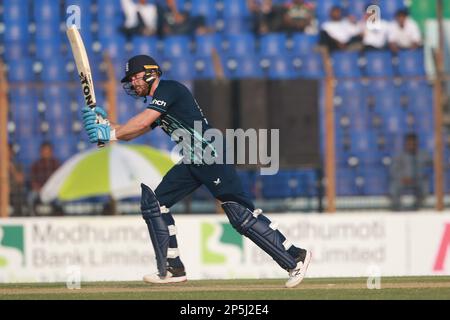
{"x": 404, "y": 32}
{"x": 17, "y": 186}
{"x": 408, "y": 172}
{"x": 41, "y": 170}
{"x": 374, "y": 32}
{"x": 140, "y": 18}
{"x": 261, "y": 12}
{"x": 299, "y": 16}
{"x": 177, "y": 22}
{"x": 340, "y": 33}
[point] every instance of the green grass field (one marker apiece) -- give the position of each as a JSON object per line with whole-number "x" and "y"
{"x": 398, "y": 288}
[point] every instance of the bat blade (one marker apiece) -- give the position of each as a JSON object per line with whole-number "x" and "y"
{"x": 84, "y": 70}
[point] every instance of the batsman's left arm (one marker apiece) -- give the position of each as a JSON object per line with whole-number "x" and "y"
{"x": 136, "y": 126}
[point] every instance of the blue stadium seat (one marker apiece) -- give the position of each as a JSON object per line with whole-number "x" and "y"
{"x": 46, "y": 10}
{"x": 49, "y": 49}
{"x": 345, "y": 182}
{"x": 389, "y": 7}
{"x": 323, "y": 8}
{"x": 178, "y": 68}
{"x": 110, "y": 14}
{"x": 235, "y": 8}
{"x": 203, "y": 68}
{"x": 303, "y": 44}
{"x": 21, "y": 70}
{"x": 278, "y": 67}
{"x": 273, "y": 44}
{"x": 233, "y": 25}
{"x": 379, "y": 63}
{"x": 114, "y": 46}
{"x": 308, "y": 66}
{"x": 16, "y": 31}
{"x": 16, "y": 50}
{"x": 47, "y": 30}
{"x": 205, "y": 43}
{"x": 206, "y": 8}
{"x": 146, "y": 45}
{"x": 176, "y": 46}
{"x": 411, "y": 63}
{"x": 357, "y": 8}
{"x": 376, "y": 180}
{"x": 276, "y": 186}
{"x": 239, "y": 44}
{"x": 345, "y": 64}
{"x": 53, "y": 70}
{"x": 236, "y": 67}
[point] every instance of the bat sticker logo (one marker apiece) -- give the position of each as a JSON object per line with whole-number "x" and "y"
{"x": 86, "y": 89}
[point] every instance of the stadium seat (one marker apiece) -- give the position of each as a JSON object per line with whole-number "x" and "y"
{"x": 146, "y": 45}
{"x": 378, "y": 63}
{"x": 236, "y": 67}
{"x": 235, "y": 8}
{"x": 345, "y": 64}
{"x": 54, "y": 70}
{"x": 345, "y": 182}
{"x": 176, "y": 46}
{"x": 323, "y": 8}
{"x": 238, "y": 44}
{"x": 178, "y": 68}
{"x": 389, "y": 7}
{"x": 115, "y": 46}
{"x": 49, "y": 49}
{"x": 16, "y": 31}
{"x": 273, "y": 44}
{"x": 16, "y": 50}
{"x": 277, "y": 67}
{"x": 411, "y": 63}
{"x": 308, "y": 66}
{"x": 205, "y": 43}
{"x": 303, "y": 44}
{"x": 233, "y": 25}
{"x": 357, "y": 8}
{"x": 376, "y": 180}
{"x": 20, "y": 70}
{"x": 206, "y": 8}
{"x": 203, "y": 68}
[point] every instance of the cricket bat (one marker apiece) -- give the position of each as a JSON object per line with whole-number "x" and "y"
{"x": 84, "y": 69}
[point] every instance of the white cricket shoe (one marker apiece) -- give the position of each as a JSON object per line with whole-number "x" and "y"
{"x": 173, "y": 275}
{"x": 297, "y": 274}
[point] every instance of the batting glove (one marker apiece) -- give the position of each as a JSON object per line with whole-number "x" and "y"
{"x": 97, "y": 132}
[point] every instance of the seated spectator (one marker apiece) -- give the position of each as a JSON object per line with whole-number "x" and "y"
{"x": 41, "y": 170}
{"x": 374, "y": 32}
{"x": 404, "y": 32}
{"x": 408, "y": 172}
{"x": 140, "y": 18}
{"x": 265, "y": 16}
{"x": 299, "y": 17}
{"x": 181, "y": 22}
{"x": 17, "y": 186}
{"x": 340, "y": 33}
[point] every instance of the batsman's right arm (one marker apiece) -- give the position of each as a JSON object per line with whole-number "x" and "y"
{"x": 136, "y": 126}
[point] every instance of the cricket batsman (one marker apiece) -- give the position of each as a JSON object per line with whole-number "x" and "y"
{"x": 173, "y": 108}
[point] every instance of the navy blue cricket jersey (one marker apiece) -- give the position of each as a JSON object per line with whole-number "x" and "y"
{"x": 179, "y": 110}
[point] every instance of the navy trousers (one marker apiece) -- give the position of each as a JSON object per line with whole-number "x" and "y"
{"x": 220, "y": 179}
